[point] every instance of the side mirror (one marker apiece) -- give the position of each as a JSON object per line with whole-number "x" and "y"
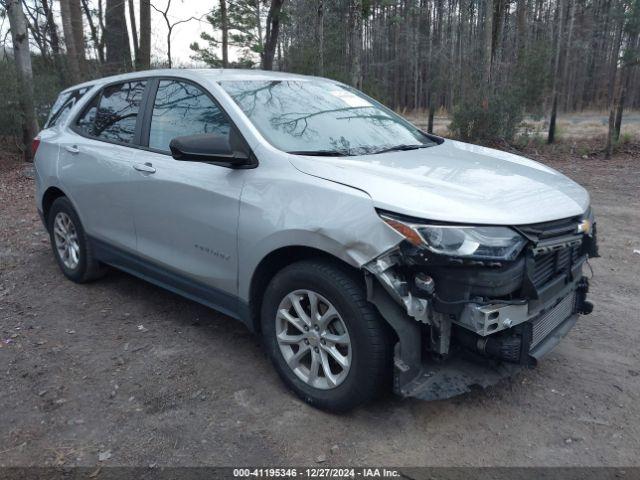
{"x": 209, "y": 148}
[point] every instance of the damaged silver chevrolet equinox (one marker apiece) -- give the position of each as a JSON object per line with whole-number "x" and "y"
{"x": 367, "y": 254}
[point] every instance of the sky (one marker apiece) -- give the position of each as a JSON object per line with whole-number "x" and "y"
{"x": 184, "y": 34}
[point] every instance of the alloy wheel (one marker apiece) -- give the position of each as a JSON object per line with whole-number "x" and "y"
{"x": 66, "y": 240}
{"x": 313, "y": 339}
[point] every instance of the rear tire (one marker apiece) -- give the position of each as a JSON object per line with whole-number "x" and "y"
{"x": 71, "y": 247}
{"x": 367, "y": 353}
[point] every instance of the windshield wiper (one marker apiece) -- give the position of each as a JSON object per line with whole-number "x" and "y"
{"x": 400, "y": 148}
{"x": 320, "y": 153}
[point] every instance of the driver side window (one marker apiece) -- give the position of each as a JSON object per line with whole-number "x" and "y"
{"x": 181, "y": 108}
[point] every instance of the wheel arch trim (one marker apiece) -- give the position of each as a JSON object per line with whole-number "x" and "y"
{"x": 275, "y": 261}
{"x": 50, "y": 195}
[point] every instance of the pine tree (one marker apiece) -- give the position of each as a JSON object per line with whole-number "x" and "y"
{"x": 235, "y": 25}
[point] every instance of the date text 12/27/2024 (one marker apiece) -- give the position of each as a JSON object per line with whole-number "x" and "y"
{"x": 315, "y": 473}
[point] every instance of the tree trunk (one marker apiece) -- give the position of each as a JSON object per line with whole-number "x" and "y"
{"x": 612, "y": 116}
{"x": 556, "y": 73}
{"x": 488, "y": 41}
{"x": 431, "y": 113}
{"x": 614, "y": 87}
{"x": 22, "y": 56}
{"x": 77, "y": 28}
{"x": 320, "y": 36}
{"x": 52, "y": 28}
{"x": 567, "y": 55}
{"x": 170, "y": 30}
{"x": 271, "y": 34}
{"x": 552, "y": 119}
{"x": 224, "y": 28}
{"x": 143, "y": 58}
{"x": 521, "y": 28}
{"x": 134, "y": 31}
{"x": 73, "y": 63}
{"x": 355, "y": 43}
{"x": 259, "y": 25}
{"x": 116, "y": 38}
{"x": 631, "y": 57}
{"x": 619, "y": 110}
{"x": 499, "y": 12}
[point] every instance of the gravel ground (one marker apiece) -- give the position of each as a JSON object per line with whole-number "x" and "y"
{"x": 120, "y": 372}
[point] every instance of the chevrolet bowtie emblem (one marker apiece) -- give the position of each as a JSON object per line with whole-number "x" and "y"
{"x": 584, "y": 226}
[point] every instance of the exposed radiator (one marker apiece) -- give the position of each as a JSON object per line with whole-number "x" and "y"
{"x": 548, "y": 265}
{"x": 547, "y": 322}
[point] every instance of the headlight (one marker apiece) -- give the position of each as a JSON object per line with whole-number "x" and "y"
{"x": 488, "y": 243}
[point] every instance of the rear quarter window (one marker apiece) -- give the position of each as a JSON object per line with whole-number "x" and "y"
{"x": 63, "y": 105}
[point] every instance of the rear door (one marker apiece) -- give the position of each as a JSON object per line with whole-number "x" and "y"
{"x": 186, "y": 213}
{"x": 96, "y": 162}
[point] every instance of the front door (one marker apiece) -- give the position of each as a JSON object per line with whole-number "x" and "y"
{"x": 186, "y": 213}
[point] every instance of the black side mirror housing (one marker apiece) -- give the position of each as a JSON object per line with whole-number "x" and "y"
{"x": 210, "y": 148}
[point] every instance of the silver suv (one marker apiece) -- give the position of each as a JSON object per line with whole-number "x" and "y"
{"x": 368, "y": 254}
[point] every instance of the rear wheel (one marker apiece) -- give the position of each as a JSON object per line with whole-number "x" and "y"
{"x": 70, "y": 244}
{"x": 328, "y": 343}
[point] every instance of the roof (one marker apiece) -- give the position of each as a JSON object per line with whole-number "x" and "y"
{"x": 213, "y": 74}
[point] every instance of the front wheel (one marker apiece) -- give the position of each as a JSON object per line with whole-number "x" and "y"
{"x": 328, "y": 343}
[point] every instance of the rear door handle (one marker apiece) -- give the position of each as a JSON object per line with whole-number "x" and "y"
{"x": 144, "y": 167}
{"x": 72, "y": 149}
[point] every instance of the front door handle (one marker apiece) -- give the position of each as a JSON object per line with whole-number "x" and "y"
{"x": 144, "y": 167}
{"x": 72, "y": 149}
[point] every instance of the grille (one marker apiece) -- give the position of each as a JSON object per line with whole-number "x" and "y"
{"x": 556, "y": 228}
{"x": 547, "y": 322}
{"x": 548, "y": 265}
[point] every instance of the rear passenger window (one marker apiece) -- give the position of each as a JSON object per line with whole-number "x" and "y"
{"x": 113, "y": 114}
{"x": 181, "y": 108}
{"x": 64, "y": 104}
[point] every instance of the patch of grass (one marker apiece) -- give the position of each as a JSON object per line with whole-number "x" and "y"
{"x": 561, "y": 132}
{"x": 529, "y": 138}
{"x": 625, "y": 138}
{"x": 583, "y": 150}
{"x": 442, "y": 112}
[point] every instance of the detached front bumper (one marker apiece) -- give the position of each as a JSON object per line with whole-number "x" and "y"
{"x": 447, "y": 347}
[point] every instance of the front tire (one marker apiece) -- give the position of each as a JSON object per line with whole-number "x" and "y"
{"x": 71, "y": 247}
{"x": 326, "y": 341}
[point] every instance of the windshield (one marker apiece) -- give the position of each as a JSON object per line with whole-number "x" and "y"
{"x": 322, "y": 118}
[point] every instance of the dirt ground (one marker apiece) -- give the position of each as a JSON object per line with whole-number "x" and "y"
{"x": 122, "y": 372}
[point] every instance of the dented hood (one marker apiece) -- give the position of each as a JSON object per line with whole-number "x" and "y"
{"x": 456, "y": 182}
